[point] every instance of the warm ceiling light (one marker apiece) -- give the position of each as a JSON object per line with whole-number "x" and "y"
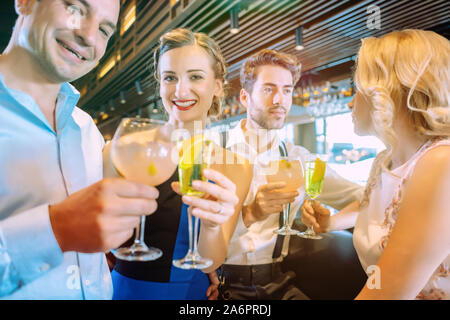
{"x": 234, "y": 20}
{"x": 138, "y": 87}
{"x": 107, "y": 67}
{"x": 103, "y": 114}
{"x": 111, "y": 105}
{"x": 299, "y": 39}
{"x": 123, "y": 100}
{"x": 129, "y": 17}
{"x": 155, "y": 108}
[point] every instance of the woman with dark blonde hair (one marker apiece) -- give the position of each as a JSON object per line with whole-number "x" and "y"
{"x": 402, "y": 224}
{"x": 190, "y": 70}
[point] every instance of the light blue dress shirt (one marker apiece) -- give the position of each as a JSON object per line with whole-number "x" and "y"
{"x": 40, "y": 167}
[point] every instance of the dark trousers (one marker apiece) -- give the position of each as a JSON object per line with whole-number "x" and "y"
{"x": 257, "y": 282}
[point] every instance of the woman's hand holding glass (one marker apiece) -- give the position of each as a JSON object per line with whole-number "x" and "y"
{"x": 315, "y": 167}
{"x": 217, "y": 206}
{"x": 210, "y": 195}
{"x": 315, "y": 215}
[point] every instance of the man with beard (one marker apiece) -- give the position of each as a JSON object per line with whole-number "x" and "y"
{"x": 252, "y": 268}
{"x": 57, "y": 217}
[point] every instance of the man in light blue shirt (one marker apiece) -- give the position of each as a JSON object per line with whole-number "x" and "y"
{"x": 57, "y": 215}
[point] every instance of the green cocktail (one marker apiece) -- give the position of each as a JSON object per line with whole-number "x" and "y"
{"x": 187, "y": 174}
{"x": 315, "y": 166}
{"x": 194, "y": 159}
{"x": 314, "y": 176}
{"x": 195, "y": 156}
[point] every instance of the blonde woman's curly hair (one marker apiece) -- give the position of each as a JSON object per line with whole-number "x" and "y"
{"x": 405, "y": 72}
{"x": 182, "y": 37}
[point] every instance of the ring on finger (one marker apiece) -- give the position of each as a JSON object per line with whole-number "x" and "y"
{"x": 220, "y": 211}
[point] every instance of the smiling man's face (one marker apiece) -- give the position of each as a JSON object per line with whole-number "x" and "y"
{"x": 67, "y": 38}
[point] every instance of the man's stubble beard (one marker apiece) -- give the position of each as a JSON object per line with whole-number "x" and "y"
{"x": 59, "y": 73}
{"x": 50, "y": 68}
{"x": 259, "y": 118}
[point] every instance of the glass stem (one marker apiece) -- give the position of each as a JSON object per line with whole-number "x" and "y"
{"x": 310, "y": 229}
{"x": 196, "y": 235}
{"x": 139, "y": 239}
{"x": 190, "y": 230}
{"x": 285, "y": 216}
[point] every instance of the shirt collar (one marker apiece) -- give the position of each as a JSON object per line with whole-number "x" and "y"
{"x": 236, "y": 136}
{"x": 68, "y": 97}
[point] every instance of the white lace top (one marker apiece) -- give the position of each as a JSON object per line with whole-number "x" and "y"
{"x": 377, "y": 218}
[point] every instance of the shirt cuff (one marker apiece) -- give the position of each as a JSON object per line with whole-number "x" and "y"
{"x": 30, "y": 243}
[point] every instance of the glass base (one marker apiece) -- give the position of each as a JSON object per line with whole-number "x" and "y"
{"x": 192, "y": 261}
{"x": 287, "y": 231}
{"x": 310, "y": 235}
{"x": 137, "y": 252}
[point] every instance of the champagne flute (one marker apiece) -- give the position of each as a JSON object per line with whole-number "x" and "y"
{"x": 315, "y": 166}
{"x": 196, "y": 156}
{"x": 141, "y": 151}
{"x": 286, "y": 169}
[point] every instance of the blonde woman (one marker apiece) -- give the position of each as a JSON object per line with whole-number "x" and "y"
{"x": 190, "y": 70}
{"x": 402, "y": 224}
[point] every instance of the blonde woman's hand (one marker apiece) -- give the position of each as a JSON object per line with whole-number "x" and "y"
{"x": 217, "y": 206}
{"x": 316, "y": 215}
{"x": 213, "y": 290}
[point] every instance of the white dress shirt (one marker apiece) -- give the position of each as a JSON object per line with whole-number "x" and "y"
{"x": 255, "y": 244}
